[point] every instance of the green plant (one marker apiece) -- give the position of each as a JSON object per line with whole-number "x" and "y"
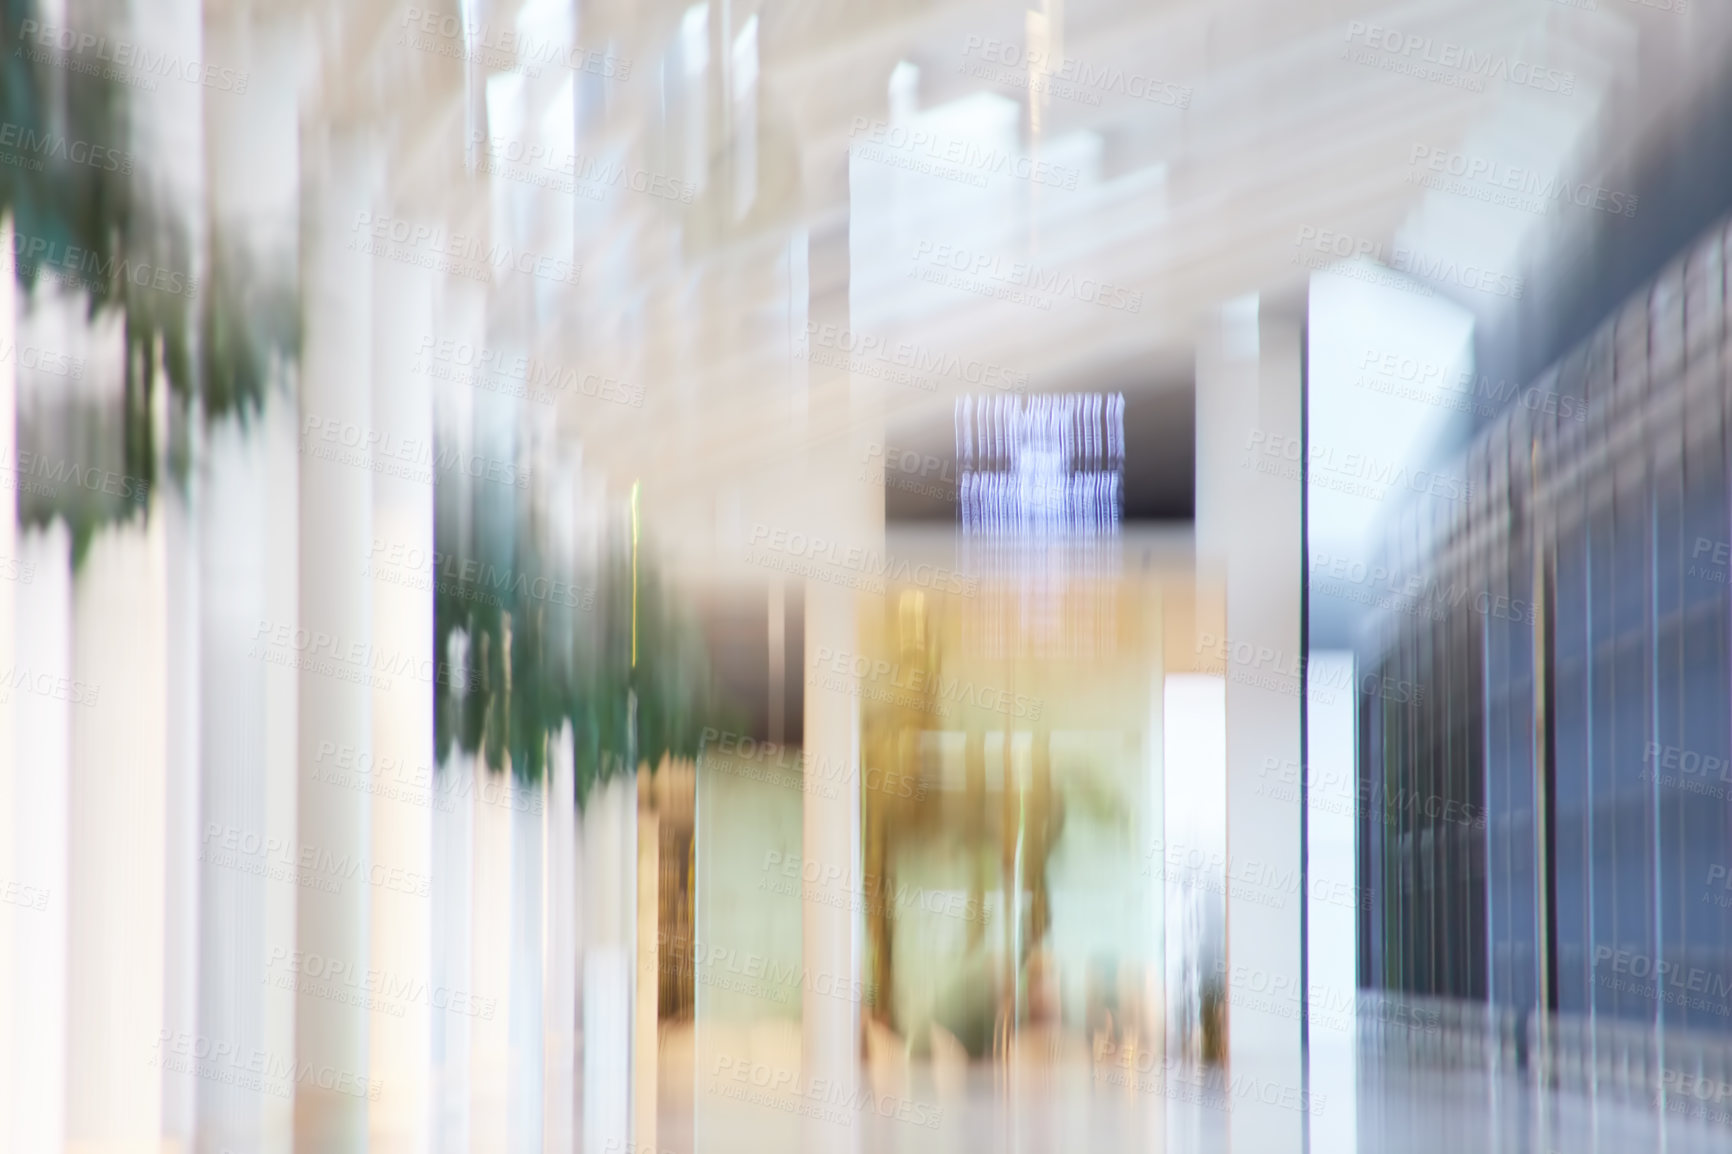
{"x": 85, "y": 224}
{"x": 547, "y": 648}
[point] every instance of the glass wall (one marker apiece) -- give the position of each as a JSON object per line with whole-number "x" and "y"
{"x": 1547, "y": 825}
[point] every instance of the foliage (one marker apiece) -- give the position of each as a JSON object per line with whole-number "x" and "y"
{"x": 72, "y": 186}
{"x": 533, "y": 663}
{"x": 546, "y": 648}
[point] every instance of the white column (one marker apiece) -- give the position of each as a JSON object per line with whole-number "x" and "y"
{"x": 10, "y": 1054}
{"x": 559, "y": 941}
{"x": 845, "y": 420}
{"x": 401, "y": 770}
{"x": 167, "y": 122}
{"x": 490, "y": 954}
{"x": 645, "y": 885}
{"x": 280, "y": 437}
{"x": 461, "y": 312}
{"x": 1248, "y": 521}
{"x": 1333, "y": 932}
{"x": 234, "y": 961}
{"x": 830, "y": 837}
{"x": 42, "y": 730}
{"x": 527, "y": 805}
{"x": 453, "y": 903}
{"x": 250, "y": 199}
{"x": 609, "y": 851}
{"x": 1153, "y": 1027}
{"x": 184, "y": 689}
{"x": 336, "y": 697}
{"x": 116, "y": 839}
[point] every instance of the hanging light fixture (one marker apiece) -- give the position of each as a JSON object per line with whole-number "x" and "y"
{"x": 1049, "y": 465}
{"x": 1040, "y": 487}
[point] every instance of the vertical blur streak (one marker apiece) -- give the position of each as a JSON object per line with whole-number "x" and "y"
{"x": 1195, "y": 735}
{"x": 336, "y": 504}
{"x": 560, "y": 948}
{"x": 1248, "y": 525}
{"x": 11, "y": 1059}
{"x": 609, "y": 835}
{"x": 116, "y": 840}
{"x": 1331, "y": 987}
{"x": 400, "y": 930}
{"x": 43, "y": 732}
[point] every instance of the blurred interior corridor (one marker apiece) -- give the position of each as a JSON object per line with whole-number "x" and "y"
{"x": 865, "y": 575}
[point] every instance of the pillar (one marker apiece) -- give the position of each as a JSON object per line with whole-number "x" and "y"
{"x": 1249, "y": 528}
{"x": 336, "y": 693}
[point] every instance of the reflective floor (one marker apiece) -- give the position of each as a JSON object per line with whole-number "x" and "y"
{"x": 1394, "y": 1108}
{"x": 848, "y": 575}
